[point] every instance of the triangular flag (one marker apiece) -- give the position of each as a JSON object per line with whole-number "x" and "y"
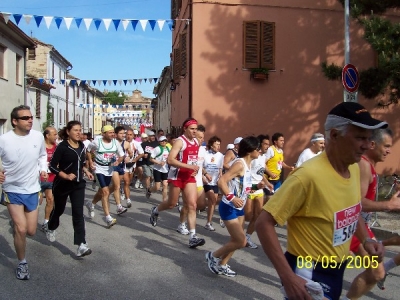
{"x": 143, "y": 23}
{"x": 41, "y": 80}
{"x": 27, "y": 18}
{"x": 97, "y": 23}
{"x": 78, "y": 22}
{"x": 62, "y": 81}
{"x": 78, "y": 82}
{"x": 38, "y": 20}
{"x": 73, "y": 82}
{"x": 150, "y": 80}
{"x": 83, "y": 82}
{"x": 161, "y": 24}
{"x": 116, "y": 23}
{"x": 140, "y": 80}
{"x": 115, "y": 82}
{"x": 104, "y": 82}
{"x": 125, "y": 24}
{"x": 135, "y": 80}
{"x": 87, "y": 23}
{"x": 48, "y": 21}
{"x": 58, "y": 21}
{"x": 119, "y": 81}
{"x": 17, "y": 18}
{"x": 125, "y": 81}
{"x": 109, "y": 82}
{"x": 152, "y": 24}
{"x": 89, "y": 81}
{"x": 68, "y": 81}
{"x": 6, "y": 16}
{"x": 94, "y": 82}
{"x": 145, "y": 80}
{"x": 155, "y": 80}
{"x": 130, "y": 81}
{"x": 107, "y": 23}
{"x": 170, "y": 24}
{"x": 52, "y": 80}
{"x": 134, "y": 23}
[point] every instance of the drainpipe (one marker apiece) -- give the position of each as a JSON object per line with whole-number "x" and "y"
{"x": 190, "y": 59}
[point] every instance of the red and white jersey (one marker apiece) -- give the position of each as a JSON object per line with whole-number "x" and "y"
{"x": 188, "y": 155}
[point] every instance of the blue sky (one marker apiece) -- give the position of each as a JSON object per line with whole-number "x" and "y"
{"x": 101, "y": 54}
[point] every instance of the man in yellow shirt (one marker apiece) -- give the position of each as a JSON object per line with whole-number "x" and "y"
{"x": 320, "y": 201}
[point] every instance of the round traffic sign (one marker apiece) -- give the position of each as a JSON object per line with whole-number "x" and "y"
{"x": 350, "y": 78}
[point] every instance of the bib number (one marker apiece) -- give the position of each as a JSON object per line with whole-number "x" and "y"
{"x": 345, "y": 224}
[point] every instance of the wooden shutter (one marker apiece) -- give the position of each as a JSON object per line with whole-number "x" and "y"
{"x": 177, "y": 65}
{"x": 38, "y": 96}
{"x": 32, "y": 54}
{"x": 183, "y": 45}
{"x": 251, "y": 44}
{"x": 173, "y": 9}
{"x": 267, "y": 45}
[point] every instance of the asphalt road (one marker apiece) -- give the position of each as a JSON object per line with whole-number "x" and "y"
{"x": 134, "y": 260}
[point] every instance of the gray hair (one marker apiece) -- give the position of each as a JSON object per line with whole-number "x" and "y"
{"x": 378, "y": 134}
{"x": 335, "y": 122}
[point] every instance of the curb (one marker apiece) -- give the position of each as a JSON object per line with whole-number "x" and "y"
{"x": 383, "y": 234}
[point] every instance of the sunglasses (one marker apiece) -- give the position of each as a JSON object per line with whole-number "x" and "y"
{"x": 25, "y": 118}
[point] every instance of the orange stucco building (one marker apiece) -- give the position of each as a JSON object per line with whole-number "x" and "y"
{"x": 213, "y": 52}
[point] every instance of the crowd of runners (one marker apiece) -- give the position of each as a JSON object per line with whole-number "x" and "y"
{"x": 330, "y": 190}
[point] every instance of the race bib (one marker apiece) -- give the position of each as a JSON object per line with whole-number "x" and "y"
{"x": 345, "y": 224}
{"x": 279, "y": 165}
{"x": 192, "y": 160}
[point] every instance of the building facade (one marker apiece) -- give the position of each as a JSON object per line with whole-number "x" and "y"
{"x": 161, "y": 104}
{"x": 215, "y": 54}
{"x": 14, "y": 46}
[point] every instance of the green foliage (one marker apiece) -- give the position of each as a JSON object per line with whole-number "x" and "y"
{"x": 260, "y": 71}
{"x": 373, "y": 82}
{"x": 114, "y": 98}
{"x": 49, "y": 116}
{"x": 332, "y": 72}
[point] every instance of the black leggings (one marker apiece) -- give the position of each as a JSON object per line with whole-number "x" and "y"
{"x": 76, "y": 192}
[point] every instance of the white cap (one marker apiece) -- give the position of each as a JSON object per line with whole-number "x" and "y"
{"x": 230, "y": 146}
{"x": 162, "y": 138}
{"x": 237, "y": 140}
{"x": 144, "y": 135}
{"x": 135, "y": 131}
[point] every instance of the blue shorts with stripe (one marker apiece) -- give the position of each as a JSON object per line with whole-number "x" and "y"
{"x": 29, "y": 201}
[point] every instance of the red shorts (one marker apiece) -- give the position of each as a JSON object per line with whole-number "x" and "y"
{"x": 355, "y": 243}
{"x": 182, "y": 182}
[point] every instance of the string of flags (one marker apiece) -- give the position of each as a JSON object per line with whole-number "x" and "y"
{"x": 68, "y": 21}
{"x": 100, "y": 82}
{"x": 84, "y": 105}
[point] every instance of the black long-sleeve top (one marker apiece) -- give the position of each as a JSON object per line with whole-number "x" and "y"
{"x": 68, "y": 160}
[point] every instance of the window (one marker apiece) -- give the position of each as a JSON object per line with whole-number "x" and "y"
{"x": 32, "y": 54}
{"x": 52, "y": 70}
{"x": 59, "y": 117}
{"x": 59, "y": 74}
{"x": 18, "y": 69}
{"x": 175, "y": 8}
{"x": 2, "y": 60}
{"x": 52, "y": 115}
{"x": 77, "y": 91}
{"x": 183, "y": 44}
{"x": 38, "y": 94}
{"x": 258, "y": 45}
{"x": 177, "y": 66}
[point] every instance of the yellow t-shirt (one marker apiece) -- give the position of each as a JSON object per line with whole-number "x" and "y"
{"x": 274, "y": 164}
{"x": 321, "y": 209}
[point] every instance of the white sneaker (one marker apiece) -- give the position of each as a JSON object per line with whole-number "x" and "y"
{"x": 90, "y": 208}
{"x": 111, "y": 223}
{"x": 209, "y": 227}
{"x": 83, "y": 250}
{"x": 122, "y": 197}
{"x": 250, "y": 243}
{"x": 137, "y": 183}
{"x": 182, "y": 229}
{"x": 51, "y": 235}
{"x": 128, "y": 203}
{"x": 221, "y": 223}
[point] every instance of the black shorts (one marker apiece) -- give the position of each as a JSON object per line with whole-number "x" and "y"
{"x": 213, "y": 188}
{"x": 159, "y": 176}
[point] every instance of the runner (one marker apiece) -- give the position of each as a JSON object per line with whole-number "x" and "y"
{"x": 148, "y": 166}
{"x": 181, "y": 177}
{"x": 23, "y": 157}
{"x": 140, "y": 163}
{"x": 159, "y": 158}
{"x": 235, "y": 186}
{"x": 106, "y": 149}
{"x": 50, "y": 137}
{"x": 69, "y": 165}
{"x": 317, "y": 146}
{"x": 330, "y": 181}
{"x": 213, "y": 163}
{"x": 231, "y": 153}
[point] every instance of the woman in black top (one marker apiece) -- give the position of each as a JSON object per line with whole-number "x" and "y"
{"x": 68, "y": 163}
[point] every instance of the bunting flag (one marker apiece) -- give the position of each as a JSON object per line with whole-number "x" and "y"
{"x": 48, "y": 20}
{"x": 127, "y": 106}
{"x": 99, "y": 82}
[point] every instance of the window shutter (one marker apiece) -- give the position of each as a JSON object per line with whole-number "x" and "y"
{"x": 251, "y": 44}
{"x": 183, "y": 44}
{"x": 173, "y": 9}
{"x": 268, "y": 45}
{"x": 32, "y": 54}
{"x": 38, "y": 94}
{"x": 177, "y": 65}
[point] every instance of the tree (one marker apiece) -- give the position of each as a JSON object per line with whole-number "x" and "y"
{"x": 384, "y": 37}
{"x": 114, "y": 97}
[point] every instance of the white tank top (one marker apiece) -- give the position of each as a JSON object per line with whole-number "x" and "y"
{"x": 240, "y": 186}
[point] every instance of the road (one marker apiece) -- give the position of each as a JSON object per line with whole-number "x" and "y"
{"x": 134, "y": 260}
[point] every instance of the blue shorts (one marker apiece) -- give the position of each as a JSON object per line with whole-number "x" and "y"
{"x": 45, "y": 185}
{"x": 119, "y": 169}
{"x": 227, "y": 212}
{"x": 213, "y": 188}
{"x": 331, "y": 279}
{"x": 103, "y": 180}
{"x": 276, "y": 183}
{"x": 30, "y": 201}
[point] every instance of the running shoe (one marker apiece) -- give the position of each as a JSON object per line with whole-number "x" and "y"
{"x": 182, "y": 229}
{"x": 22, "y": 271}
{"x": 140, "y": 186}
{"x": 148, "y": 194}
{"x": 137, "y": 184}
{"x": 195, "y": 242}
{"x": 128, "y": 203}
{"x": 213, "y": 263}
{"x": 90, "y": 208}
{"x": 209, "y": 227}
{"x": 83, "y": 250}
{"x": 111, "y": 222}
{"x": 227, "y": 271}
{"x": 122, "y": 197}
{"x": 121, "y": 210}
{"x": 153, "y": 217}
{"x": 221, "y": 223}
{"x": 250, "y": 243}
{"x": 44, "y": 227}
{"x": 381, "y": 283}
{"x": 51, "y": 235}
{"x": 180, "y": 208}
